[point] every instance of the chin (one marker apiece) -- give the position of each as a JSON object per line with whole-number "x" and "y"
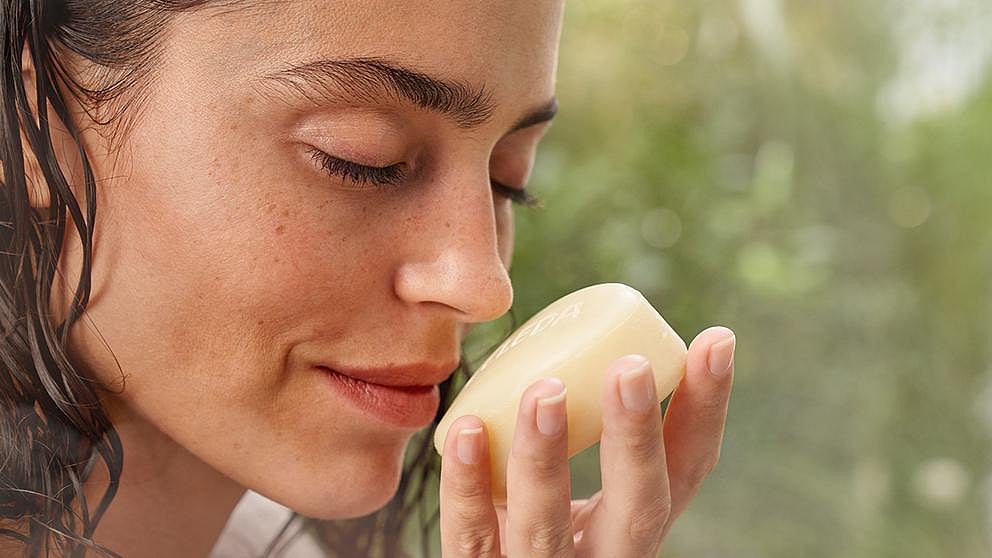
{"x": 353, "y": 491}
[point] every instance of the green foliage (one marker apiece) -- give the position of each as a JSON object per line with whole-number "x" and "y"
{"x": 734, "y": 162}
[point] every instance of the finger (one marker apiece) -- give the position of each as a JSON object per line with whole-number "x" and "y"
{"x": 501, "y": 516}
{"x": 580, "y": 513}
{"x": 578, "y": 506}
{"x": 469, "y": 525}
{"x": 694, "y": 421}
{"x": 538, "y": 501}
{"x": 581, "y": 510}
{"x": 630, "y": 518}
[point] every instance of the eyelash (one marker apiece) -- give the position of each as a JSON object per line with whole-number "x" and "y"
{"x": 383, "y": 177}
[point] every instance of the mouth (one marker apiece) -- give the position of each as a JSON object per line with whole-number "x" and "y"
{"x": 351, "y": 377}
{"x": 413, "y": 376}
{"x": 404, "y": 406}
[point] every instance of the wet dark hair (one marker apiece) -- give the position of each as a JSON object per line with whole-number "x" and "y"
{"x": 53, "y": 429}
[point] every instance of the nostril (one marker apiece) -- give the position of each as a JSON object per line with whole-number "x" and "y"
{"x": 477, "y": 287}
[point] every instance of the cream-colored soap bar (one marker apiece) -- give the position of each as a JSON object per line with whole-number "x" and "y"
{"x": 575, "y": 338}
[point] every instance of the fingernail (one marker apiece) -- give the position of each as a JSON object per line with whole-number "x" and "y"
{"x": 551, "y": 410}
{"x": 470, "y": 445}
{"x": 722, "y": 355}
{"x": 637, "y": 390}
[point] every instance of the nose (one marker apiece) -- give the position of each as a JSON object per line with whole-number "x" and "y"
{"x": 453, "y": 255}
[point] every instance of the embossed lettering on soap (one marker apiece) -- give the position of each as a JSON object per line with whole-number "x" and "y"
{"x": 546, "y": 323}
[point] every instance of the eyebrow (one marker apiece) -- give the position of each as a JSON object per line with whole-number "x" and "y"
{"x": 367, "y": 80}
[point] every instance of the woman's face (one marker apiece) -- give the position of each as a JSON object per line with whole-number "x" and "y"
{"x": 228, "y": 263}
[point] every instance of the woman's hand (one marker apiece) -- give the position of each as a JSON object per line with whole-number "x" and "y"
{"x": 650, "y": 468}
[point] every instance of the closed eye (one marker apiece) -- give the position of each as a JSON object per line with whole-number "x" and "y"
{"x": 392, "y": 175}
{"x": 360, "y": 174}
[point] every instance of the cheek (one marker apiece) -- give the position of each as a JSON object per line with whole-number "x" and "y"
{"x": 220, "y": 269}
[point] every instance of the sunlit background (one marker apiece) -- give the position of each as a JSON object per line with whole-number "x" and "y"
{"x": 818, "y": 176}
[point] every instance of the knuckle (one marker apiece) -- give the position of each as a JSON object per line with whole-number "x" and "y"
{"x": 467, "y": 492}
{"x": 542, "y": 465}
{"x": 648, "y": 522}
{"x": 713, "y": 407}
{"x": 645, "y": 446}
{"x": 467, "y": 513}
{"x": 696, "y": 474}
{"x": 549, "y": 538}
{"x": 481, "y": 544}
{"x": 545, "y": 468}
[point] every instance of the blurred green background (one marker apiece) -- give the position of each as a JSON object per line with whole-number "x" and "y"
{"x": 817, "y": 176}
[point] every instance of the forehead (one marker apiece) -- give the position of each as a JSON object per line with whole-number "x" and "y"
{"x": 510, "y": 46}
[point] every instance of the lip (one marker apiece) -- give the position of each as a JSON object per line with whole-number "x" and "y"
{"x": 404, "y": 406}
{"x": 417, "y": 374}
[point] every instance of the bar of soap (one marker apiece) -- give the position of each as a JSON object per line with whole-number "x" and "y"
{"x": 575, "y": 338}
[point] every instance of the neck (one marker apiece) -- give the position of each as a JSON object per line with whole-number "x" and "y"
{"x": 168, "y": 503}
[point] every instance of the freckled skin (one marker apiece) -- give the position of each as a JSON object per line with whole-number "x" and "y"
{"x": 227, "y": 265}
